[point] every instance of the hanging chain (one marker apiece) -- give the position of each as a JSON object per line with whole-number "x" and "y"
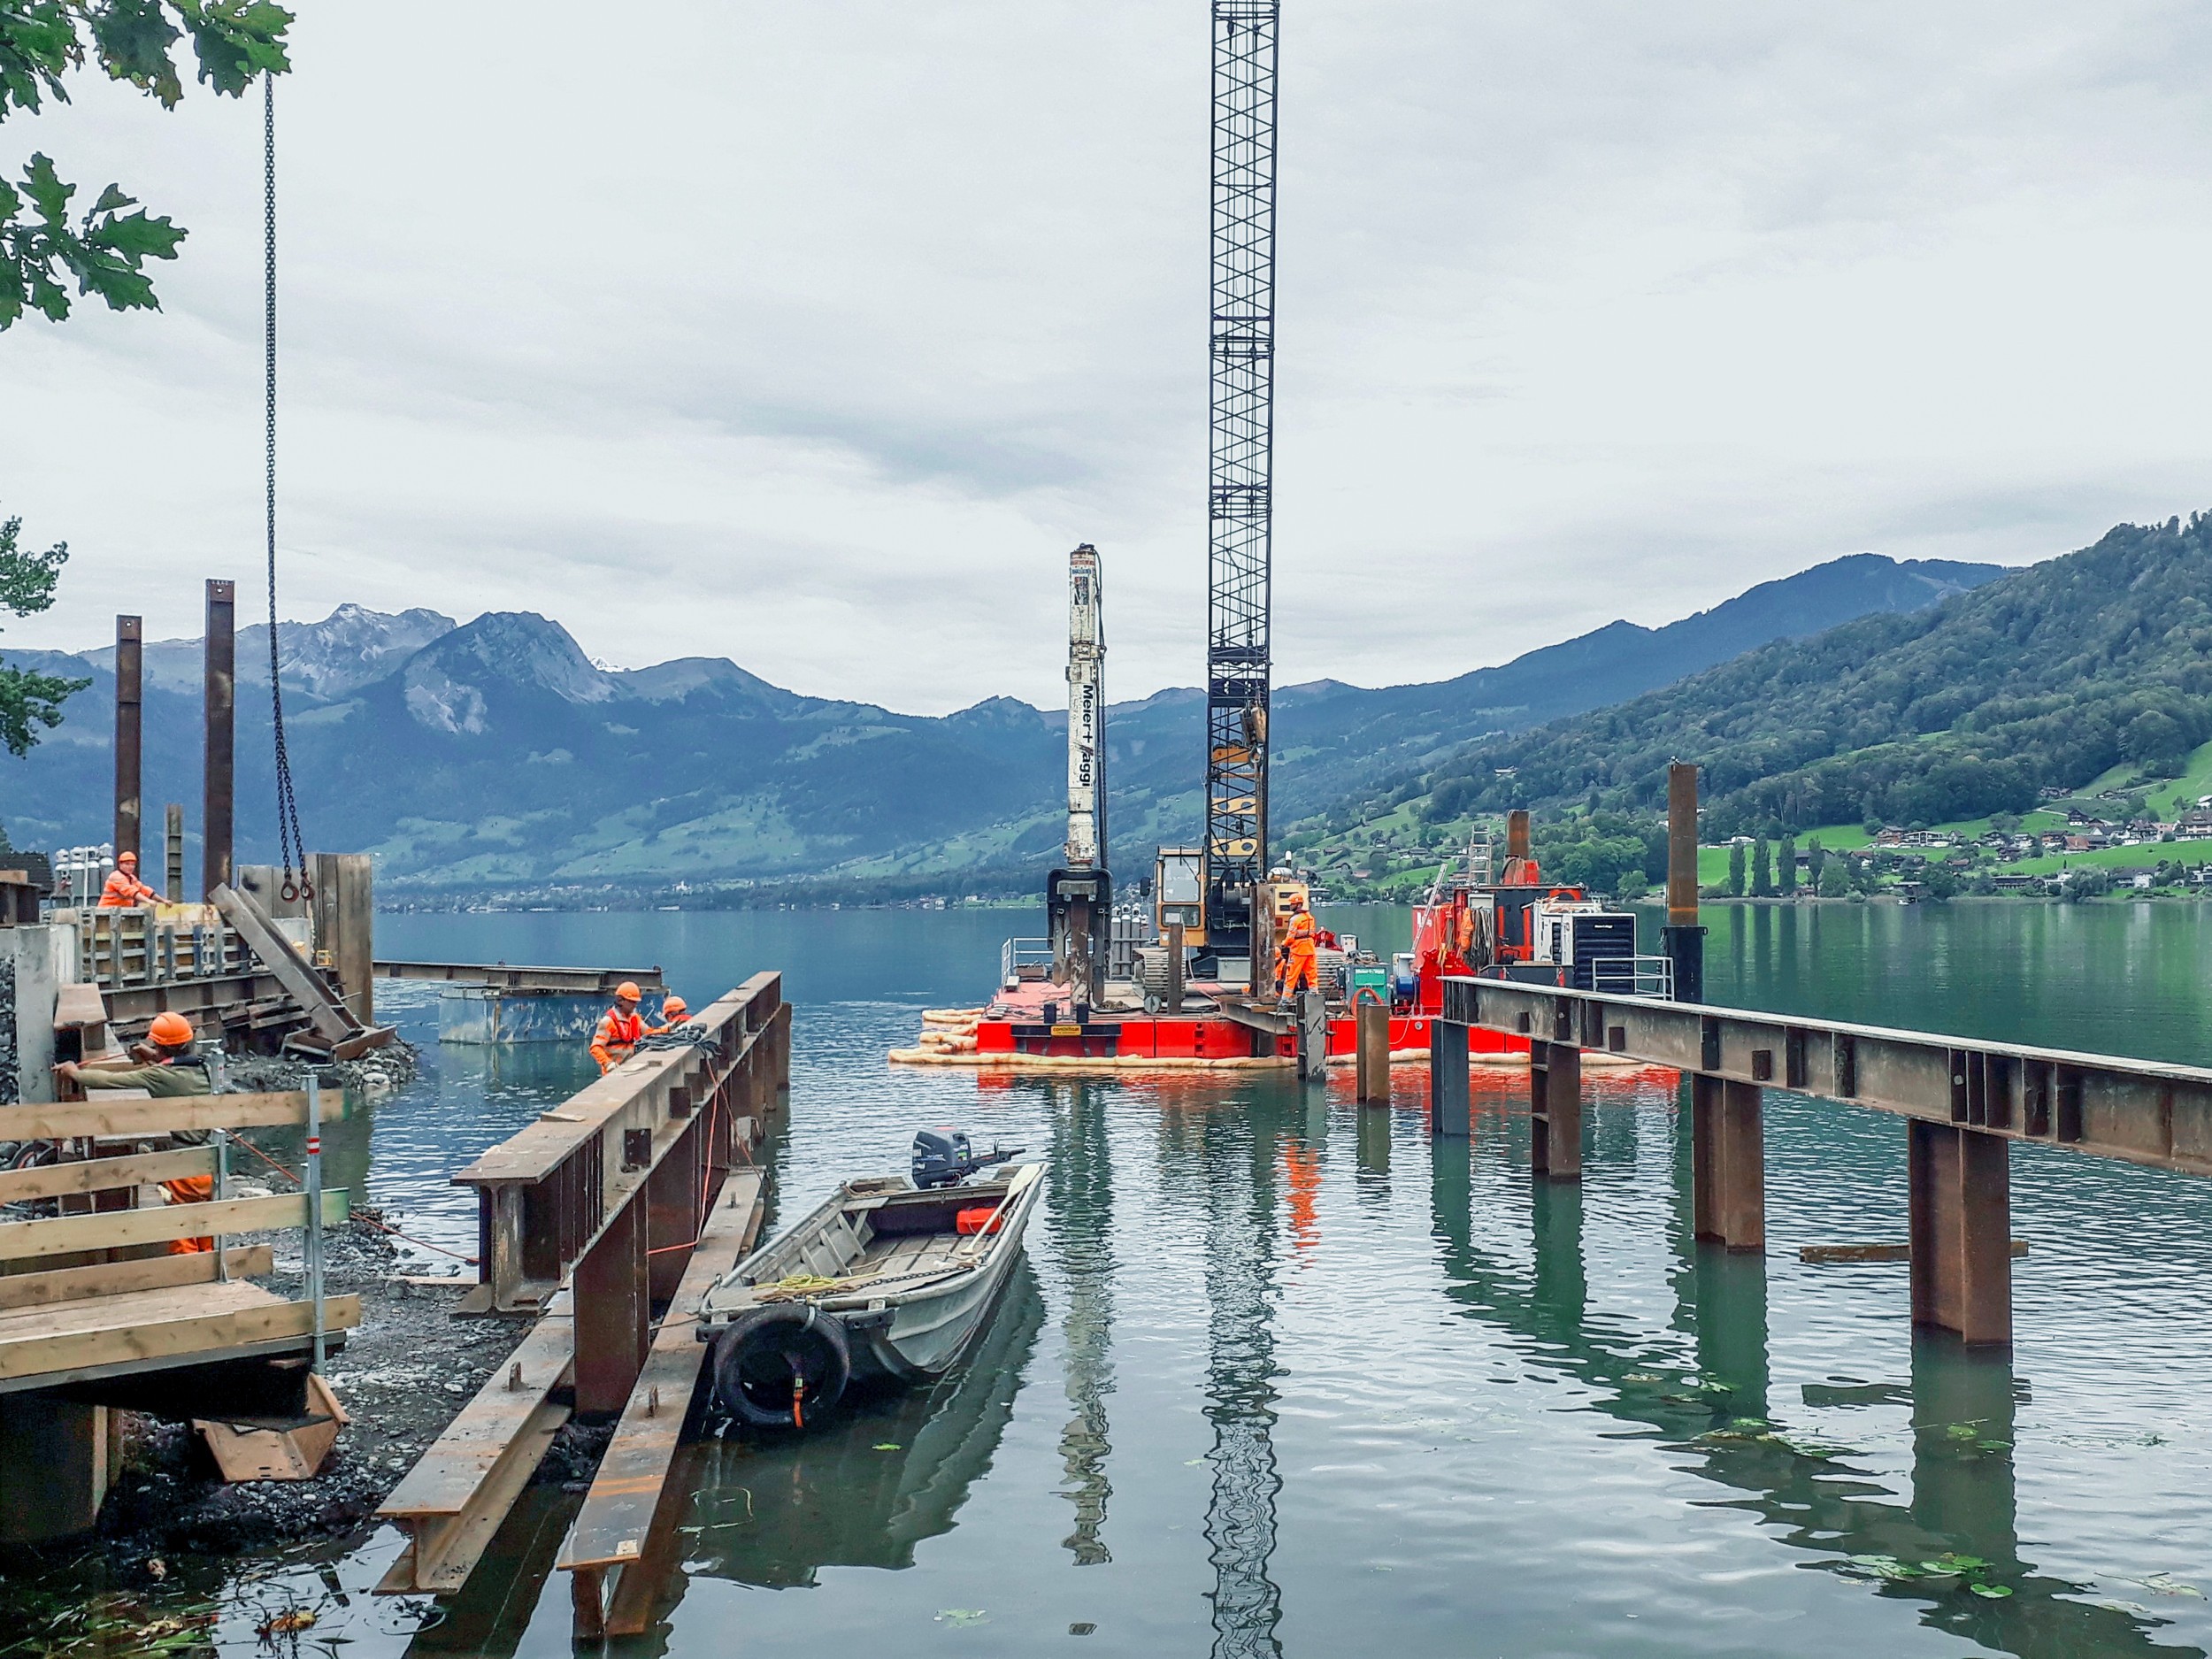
{"x": 292, "y": 843}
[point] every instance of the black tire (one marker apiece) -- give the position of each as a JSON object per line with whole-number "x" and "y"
{"x": 760, "y": 1353}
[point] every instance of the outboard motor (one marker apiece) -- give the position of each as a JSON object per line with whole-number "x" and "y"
{"x": 942, "y": 1158}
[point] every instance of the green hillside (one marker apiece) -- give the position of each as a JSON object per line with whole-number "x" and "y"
{"x": 2052, "y": 678}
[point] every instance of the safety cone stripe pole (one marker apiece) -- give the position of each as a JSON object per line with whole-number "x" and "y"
{"x": 315, "y": 1207}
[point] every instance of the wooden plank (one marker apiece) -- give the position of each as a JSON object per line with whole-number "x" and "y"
{"x": 116, "y": 1278}
{"x": 102, "y": 1175}
{"x": 623, "y": 1512}
{"x": 457, "y": 1461}
{"x": 119, "y": 1118}
{"x": 20, "y": 1241}
{"x": 208, "y": 1334}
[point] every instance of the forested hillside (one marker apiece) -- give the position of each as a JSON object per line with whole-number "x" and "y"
{"x": 2044, "y": 678}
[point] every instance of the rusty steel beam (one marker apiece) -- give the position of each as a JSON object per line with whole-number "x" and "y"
{"x": 129, "y": 709}
{"x": 500, "y": 975}
{"x": 2140, "y": 1111}
{"x": 1685, "y": 937}
{"x": 1450, "y": 1107}
{"x": 221, "y": 707}
{"x": 1960, "y": 1208}
{"x": 1554, "y": 1104}
{"x": 1728, "y": 1162}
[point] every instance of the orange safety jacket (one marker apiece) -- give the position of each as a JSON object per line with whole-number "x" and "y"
{"x": 617, "y": 1031}
{"x": 1299, "y": 942}
{"x": 124, "y": 890}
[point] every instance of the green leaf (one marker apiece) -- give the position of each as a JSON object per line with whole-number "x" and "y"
{"x": 48, "y": 195}
{"x": 136, "y": 236}
{"x": 38, "y": 41}
{"x": 236, "y": 40}
{"x": 1994, "y": 1592}
{"x": 133, "y": 38}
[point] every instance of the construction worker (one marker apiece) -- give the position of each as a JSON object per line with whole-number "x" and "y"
{"x": 124, "y": 889}
{"x": 167, "y": 1069}
{"x": 1298, "y": 952}
{"x": 620, "y": 1028}
{"x": 674, "y": 1012}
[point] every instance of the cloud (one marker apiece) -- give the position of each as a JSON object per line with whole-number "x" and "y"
{"x": 814, "y": 337}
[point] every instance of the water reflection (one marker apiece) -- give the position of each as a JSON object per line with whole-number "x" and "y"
{"x": 894, "y": 1470}
{"x": 1957, "y": 1530}
{"x": 1233, "y": 1154}
{"x": 1080, "y": 1215}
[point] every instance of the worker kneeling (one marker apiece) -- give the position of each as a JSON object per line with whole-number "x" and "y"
{"x": 166, "y": 1065}
{"x": 1300, "y": 972}
{"x": 621, "y": 1029}
{"x": 124, "y": 889}
{"x": 675, "y": 1012}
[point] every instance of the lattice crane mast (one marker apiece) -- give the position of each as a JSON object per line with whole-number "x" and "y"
{"x": 1240, "y": 504}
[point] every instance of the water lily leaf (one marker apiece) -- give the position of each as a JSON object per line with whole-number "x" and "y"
{"x": 1994, "y": 1592}
{"x": 886, "y": 1446}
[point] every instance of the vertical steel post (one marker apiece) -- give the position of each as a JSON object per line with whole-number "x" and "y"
{"x": 315, "y": 1207}
{"x": 1728, "y": 1162}
{"x": 1449, "y": 1107}
{"x": 1371, "y": 1022}
{"x": 129, "y": 707}
{"x": 1516, "y": 833}
{"x": 1175, "y": 949}
{"x": 221, "y": 693}
{"x": 220, "y": 1141}
{"x": 1685, "y": 938}
{"x": 1554, "y": 1091}
{"x": 172, "y": 852}
{"x": 1960, "y": 1185}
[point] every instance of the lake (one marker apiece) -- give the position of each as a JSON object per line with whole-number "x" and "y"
{"x": 1283, "y": 1377}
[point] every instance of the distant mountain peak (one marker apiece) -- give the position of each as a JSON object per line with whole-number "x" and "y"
{"x": 446, "y": 684}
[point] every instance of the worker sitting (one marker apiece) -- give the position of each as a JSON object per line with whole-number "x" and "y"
{"x": 674, "y": 1013}
{"x": 620, "y": 1029}
{"x": 124, "y": 889}
{"x": 165, "y": 1067}
{"x": 1298, "y": 969}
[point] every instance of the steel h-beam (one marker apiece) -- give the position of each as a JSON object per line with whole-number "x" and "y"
{"x": 1239, "y": 501}
{"x": 221, "y": 695}
{"x": 129, "y": 657}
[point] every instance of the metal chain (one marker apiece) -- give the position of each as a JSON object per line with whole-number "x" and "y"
{"x": 291, "y": 842}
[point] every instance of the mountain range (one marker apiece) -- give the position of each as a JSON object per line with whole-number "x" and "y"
{"x": 495, "y": 756}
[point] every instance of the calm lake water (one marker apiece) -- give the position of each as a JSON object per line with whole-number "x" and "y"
{"x": 1281, "y": 1377}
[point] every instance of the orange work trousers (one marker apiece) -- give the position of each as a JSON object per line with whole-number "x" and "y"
{"x": 1299, "y": 975}
{"x": 190, "y": 1189}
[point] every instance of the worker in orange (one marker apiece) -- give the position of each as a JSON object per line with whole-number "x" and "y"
{"x": 124, "y": 889}
{"x": 169, "y": 1070}
{"x": 674, "y": 1012}
{"x": 1299, "y": 970}
{"x": 620, "y": 1028}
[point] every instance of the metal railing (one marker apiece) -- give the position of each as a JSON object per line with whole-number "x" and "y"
{"x": 1020, "y": 959}
{"x": 1633, "y": 976}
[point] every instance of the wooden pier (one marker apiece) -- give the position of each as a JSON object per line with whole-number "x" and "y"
{"x": 1966, "y": 1101}
{"x": 606, "y": 1220}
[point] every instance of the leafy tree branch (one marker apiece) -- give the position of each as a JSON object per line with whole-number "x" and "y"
{"x": 28, "y": 700}
{"x": 43, "y": 249}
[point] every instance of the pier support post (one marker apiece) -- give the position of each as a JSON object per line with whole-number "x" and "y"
{"x": 1728, "y": 1165}
{"x": 1372, "y": 1031}
{"x": 1448, "y": 1105}
{"x": 1685, "y": 938}
{"x": 56, "y": 1461}
{"x": 1961, "y": 1186}
{"x": 129, "y": 660}
{"x": 612, "y": 1329}
{"x": 1174, "y": 1000}
{"x": 1554, "y": 1104}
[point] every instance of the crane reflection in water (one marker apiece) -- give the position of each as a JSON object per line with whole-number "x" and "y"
{"x": 1080, "y": 1228}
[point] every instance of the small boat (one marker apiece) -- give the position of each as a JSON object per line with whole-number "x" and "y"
{"x": 891, "y": 1278}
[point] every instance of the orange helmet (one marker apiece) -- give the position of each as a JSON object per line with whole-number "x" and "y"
{"x": 127, "y": 857}
{"x": 675, "y": 1005}
{"x": 627, "y": 992}
{"x": 170, "y": 1031}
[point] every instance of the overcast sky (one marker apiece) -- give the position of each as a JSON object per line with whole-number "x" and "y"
{"x": 814, "y": 336}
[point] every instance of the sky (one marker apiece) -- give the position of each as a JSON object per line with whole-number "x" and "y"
{"x": 814, "y": 337}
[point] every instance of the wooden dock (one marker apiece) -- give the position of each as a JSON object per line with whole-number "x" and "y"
{"x": 606, "y": 1220}
{"x": 92, "y": 1302}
